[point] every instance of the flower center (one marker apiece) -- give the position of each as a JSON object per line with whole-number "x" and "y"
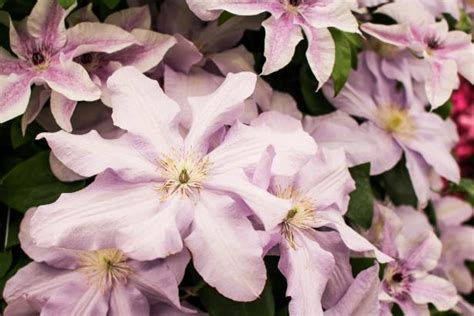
{"x": 39, "y": 60}
{"x": 105, "y": 267}
{"x": 182, "y": 174}
{"x": 397, "y": 280}
{"x": 397, "y": 120}
{"x": 300, "y": 216}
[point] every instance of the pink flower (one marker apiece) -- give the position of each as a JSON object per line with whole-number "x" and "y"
{"x": 283, "y": 28}
{"x": 424, "y": 138}
{"x": 45, "y": 50}
{"x": 100, "y": 282}
{"x": 436, "y": 55}
{"x": 408, "y": 237}
{"x": 182, "y": 191}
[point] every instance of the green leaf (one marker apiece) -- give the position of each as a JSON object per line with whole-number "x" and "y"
{"x": 218, "y": 305}
{"x": 66, "y": 3}
{"x": 31, "y": 183}
{"x": 6, "y": 259}
{"x": 445, "y": 110}
{"x": 315, "y": 103}
{"x": 361, "y": 203}
{"x": 111, "y": 4}
{"x": 2, "y": 3}
{"x": 224, "y": 17}
{"x": 398, "y": 186}
{"x": 465, "y": 186}
{"x": 346, "y": 57}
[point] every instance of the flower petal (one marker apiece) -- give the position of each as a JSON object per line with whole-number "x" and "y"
{"x": 307, "y": 269}
{"x": 419, "y": 171}
{"x": 335, "y": 14}
{"x": 127, "y": 300}
{"x": 131, "y": 18}
{"x": 89, "y": 37}
{"x": 225, "y": 248}
{"x": 435, "y": 290}
{"x": 14, "y": 95}
{"x": 421, "y": 254}
{"x": 444, "y": 79}
{"x": 10, "y": 64}
{"x": 90, "y": 154}
{"x": 140, "y": 106}
{"x": 71, "y": 80}
{"x": 452, "y": 211}
{"x": 71, "y": 223}
{"x": 396, "y": 34}
{"x": 62, "y": 109}
{"x": 281, "y": 38}
{"x": 183, "y": 55}
{"x": 321, "y": 53}
{"x": 222, "y": 107}
{"x": 158, "y": 236}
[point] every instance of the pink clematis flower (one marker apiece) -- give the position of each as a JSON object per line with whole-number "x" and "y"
{"x": 432, "y": 54}
{"x": 424, "y": 138}
{"x": 283, "y": 28}
{"x": 45, "y": 50}
{"x": 182, "y": 191}
{"x": 100, "y": 282}
{"x": 457, "y": 239}
{"x": 319, "y": 196}
{"x": 408, "y": 237}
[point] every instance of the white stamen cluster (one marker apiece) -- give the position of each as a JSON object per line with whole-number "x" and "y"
{"x": 104, "y": 268}
{"x": 183, "y": 174}
{"x": 300, "y": 216}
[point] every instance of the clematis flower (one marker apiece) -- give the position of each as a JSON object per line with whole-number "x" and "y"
{"x": 100, "y": 282}
{"x": 319, "y": 196}
{"x": 181, "y": 190}
{"x": 424, "y": 138}
{"x": 430, "y": 53}
{"x": 147, "y": 53}
{"x": 283, "y": 28}
{"x": 457, "y": 239}
{"x": 407, "y": 236}
{"x": 45, "y": 50}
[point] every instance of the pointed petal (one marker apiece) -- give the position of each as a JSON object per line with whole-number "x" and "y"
{"x": 10, "y": 64}
{"x": 127, "y": 300}
{"x": 362, "y": 296}
{"x": 14, "y": 95}
{"x": 307, "y": 269}
{"x": 46, "y": 22}
{"x": 210, "y": 10}
{"x": 444, "y": 79}
{"x": 410, "y": 308}
{"x": 71, "y": 223}
{"x": 77, "y": 298}
{"x": 321, "y": 53}
{"x": 71, "y": 80}
{"x": 20, "y": 38}
{"x": 419, "y": 171}
{"x": 422, "y": 254}
{"x": 140, "y": 106}
{"x": 131, "y": 18}
{"x": 90, "y": 154}
{"x": 397, "y": 34}
{"x": 84, "y": 14}
{"x": 183, "y": 55}
{"x": 39, "y": 96}
{"x": 281, "y": 38}
{"x": 225, "y": 248}
{"x": 268, "y": 208}
{"x": 151, "y": 51}
{"x": 160, "y": 235}
{"x": 96, "y": 37}
{"x": 452, "y": 211}
{"x": 352, "y": 239}
{"x": 156, "y": 281}
{"x": 62, "y": 109}
{"x": 222, "y": 107}
{"x": 435, "y": 290}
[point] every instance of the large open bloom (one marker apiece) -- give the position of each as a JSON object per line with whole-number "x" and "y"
{"x": 428, "y": 51}
{"x": 284, "y": 28}
{"x": 45, "y": 50}
{"x": 192, "y": 188}
{"x": 100, "y": 282}
{"x": 319, "y": 195}
{"x": 424, "y": 138}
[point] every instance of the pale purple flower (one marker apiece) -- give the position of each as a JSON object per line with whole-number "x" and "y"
{"x": 424, "y": 138}
{"x": 284, "y": 28}
{"x": 319, "y": 196}
{"x": 429, "y": 52}
{"x": 163, "y": 191}
{"x": 457, "y": 239}
{"x": 147, "y": 53}
{"x": 407, "y": 236}
{"x": 100, "y": 282}
{"x": 45, "y": 50}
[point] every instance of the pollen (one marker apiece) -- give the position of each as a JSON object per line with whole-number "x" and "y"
{"x": 397, "y": 120}
{"x": 104, "y": 268}
{"x": 183, "y": 174}
{"x": 300, "y": 216}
